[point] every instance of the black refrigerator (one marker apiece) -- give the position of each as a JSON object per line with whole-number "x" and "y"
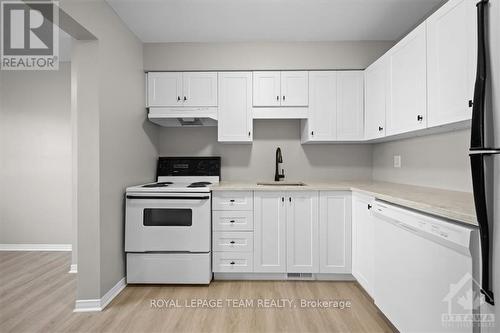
{"x": 485, "y": 145}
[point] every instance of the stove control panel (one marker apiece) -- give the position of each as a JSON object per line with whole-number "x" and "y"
{"x": 189, "y": 166}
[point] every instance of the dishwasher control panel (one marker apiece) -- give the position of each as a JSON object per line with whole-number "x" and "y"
{"x": 423, "y": 224}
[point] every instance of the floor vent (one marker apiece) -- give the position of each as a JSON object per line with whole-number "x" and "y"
{"x": 299, "y": 276}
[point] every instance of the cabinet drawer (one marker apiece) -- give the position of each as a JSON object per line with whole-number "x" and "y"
{"x": 225, "y": 262}
{"x": 232, "y": 220}
{"x": 233, "y": 241}
{"x": 232, "y": 200}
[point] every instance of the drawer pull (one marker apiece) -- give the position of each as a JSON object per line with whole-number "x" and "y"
{"x": 232, "y": 242}
{"x": 232, "y": 221}
{"x": 232, "y": 200}
{"x": 232, "y": 262}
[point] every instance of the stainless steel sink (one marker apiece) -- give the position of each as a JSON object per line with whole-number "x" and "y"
{"x": 281, "y": 183}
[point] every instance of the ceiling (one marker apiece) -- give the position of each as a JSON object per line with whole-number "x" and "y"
{"x": 270, "y": 20}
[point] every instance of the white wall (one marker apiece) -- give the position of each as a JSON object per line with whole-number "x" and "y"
{"x": 439, "y": 160}
{"x": 255, "y": 56}
{"x": 124, "y": 143}
{"x": 35, "y": 157}
{"x": 257, "y": 161}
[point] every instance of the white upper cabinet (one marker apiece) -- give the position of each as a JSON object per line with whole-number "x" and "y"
{"x": 280, "y": 88}
{"x": 200, "y": 88}
{"x": 266, "y": 89}
{"x": 294, "y": 86}
{"x": 302, "y": 232}
{"x": 451, "y": 57}
{"x": 350, "y": 106}
{"x": 375, "y": 99}
{"x": 335, "y": 107}
{"x": 321, "y": 124}
{"x": 235, "y": 122}
{"x": 269, "y": 232}
{"x": 172, "y": 89}
{"x": 407, "y": 89}
{"x": 164, "y": 89}
{"x": 334, "y": 232}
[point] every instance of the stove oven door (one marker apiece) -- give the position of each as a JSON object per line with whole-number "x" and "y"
{"x": 169, "y": 222}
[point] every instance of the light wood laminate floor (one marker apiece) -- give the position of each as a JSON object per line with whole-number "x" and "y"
{"x": 37, "y": 294}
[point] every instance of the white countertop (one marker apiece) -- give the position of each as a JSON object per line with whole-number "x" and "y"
{"x": 452, "y": 205}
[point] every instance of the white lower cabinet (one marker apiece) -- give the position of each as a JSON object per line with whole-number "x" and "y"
{"x": 233, "y": 220}
{"x": 302, "y": 232}
{"x": 232, "y": 262}
{"x": 232, "y": 241}
{"x": 269, "y": 232}
{"x": 335, "y": 232}
{"x": 298, "y": 231}
{"x": 286, "y": 232}
{"x": 232, "y": 237}
{"x": 363, "y": 242}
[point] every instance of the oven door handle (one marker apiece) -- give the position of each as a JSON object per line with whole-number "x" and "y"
{"x": 140, "y": 197}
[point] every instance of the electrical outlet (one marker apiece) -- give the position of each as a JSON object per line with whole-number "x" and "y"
{"x": 397, "y": 161}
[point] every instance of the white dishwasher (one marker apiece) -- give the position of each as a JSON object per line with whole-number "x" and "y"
{"x": 425, "y": 268}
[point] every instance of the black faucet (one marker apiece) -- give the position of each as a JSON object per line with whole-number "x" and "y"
{"x": 279, "y": 159}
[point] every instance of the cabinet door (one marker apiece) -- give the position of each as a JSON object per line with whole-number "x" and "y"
{"x": 375, "y": 95}
{"x": 200, "y": 89}
{"x": 235, "y": 107}
{"x": 362, "y": 243}
{"x": 164, "y": 89}
{"x": 269, "y": 232}
{"x": 266, "y": 89}
{"x": 302, "y": 232}
{"x": 407, "y": 92}
{"x": 451, "y": 57}
{"x": 294, "y": 88}
{"x": 350, "y": 122}
{"x": 322, "y": 122}
{"x": 335, "y": 232}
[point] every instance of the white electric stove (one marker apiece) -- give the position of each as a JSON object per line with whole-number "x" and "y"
{"x": 168, "y": 223}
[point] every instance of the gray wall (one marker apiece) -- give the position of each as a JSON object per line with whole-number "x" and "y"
{"x": 439, "y": 160}
{"x": 125, "y": 143}
{"x": 35, "y": 157}
{"x": 241, "y": 56}
{"x": 256, "y": 161}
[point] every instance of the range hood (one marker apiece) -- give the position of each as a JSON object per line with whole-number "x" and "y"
{"x": 183, "y": 116}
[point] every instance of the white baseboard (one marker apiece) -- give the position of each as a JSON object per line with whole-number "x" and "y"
{"x": 90, "y": 305}
{"x": 87, "y": 305}
{"x": 283, "y": 277}
{"x": 35, "y": 247}
{"x": 73, "y": 269}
